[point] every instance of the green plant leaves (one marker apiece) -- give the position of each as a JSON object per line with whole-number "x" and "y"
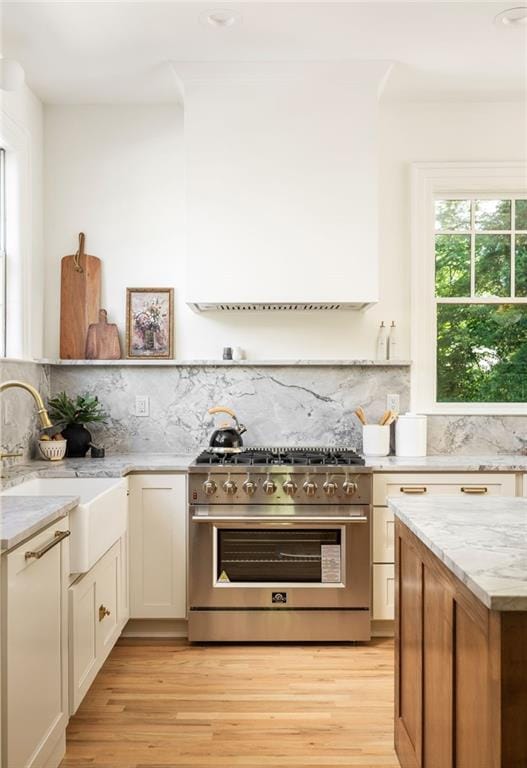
{"x": 84, "y": 409}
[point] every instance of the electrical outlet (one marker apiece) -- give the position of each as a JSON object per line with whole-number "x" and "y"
{"x": 142, "y": 405}
{"x": 393, "y": 403}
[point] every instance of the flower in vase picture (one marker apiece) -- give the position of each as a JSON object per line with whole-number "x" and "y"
{"x": 149, "y": 322}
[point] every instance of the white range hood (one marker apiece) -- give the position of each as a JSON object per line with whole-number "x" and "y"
{"x": 281, "y": 184}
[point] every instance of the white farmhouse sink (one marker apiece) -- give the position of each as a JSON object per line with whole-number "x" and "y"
{"x": 96, "y": 523}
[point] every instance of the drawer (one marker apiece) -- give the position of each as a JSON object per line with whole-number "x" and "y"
{"x": 383, "y": 592}
{"x": 498, "y": 484}
{"x": 383, "y": 535}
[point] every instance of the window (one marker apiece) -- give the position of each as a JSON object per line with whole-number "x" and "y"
{"x": 3, "y": 269}
{"x": 469, "y": 288}
{"x": 481, "y": 300}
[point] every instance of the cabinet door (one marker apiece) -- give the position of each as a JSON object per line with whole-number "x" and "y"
{"x": 83, "y": 638}
{"x": 95, "y": 622}
{"x": 158, "y": 546}
{"x": 383, "y": 535}
{"x": 107, "y": 601}
{"x": 408, "y": 680}
{"x": 525, "y": 485}
{"x": 383, "y": 592}
{"x": 36, "y": 647}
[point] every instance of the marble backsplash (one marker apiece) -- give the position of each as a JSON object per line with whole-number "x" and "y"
{"x": 279, "y": 404}
{"x": 291, "y": 405}
{"x": 19, "y": 420}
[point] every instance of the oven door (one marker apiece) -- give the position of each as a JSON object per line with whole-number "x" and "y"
{"x": 287, "y": 557}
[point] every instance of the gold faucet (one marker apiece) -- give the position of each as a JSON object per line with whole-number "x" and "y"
{"x": 46, "y": 425}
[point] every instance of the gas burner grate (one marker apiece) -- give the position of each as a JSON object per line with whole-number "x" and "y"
{"x": 287, "y": 456}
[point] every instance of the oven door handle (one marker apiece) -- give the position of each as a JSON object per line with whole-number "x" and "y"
{"x": 284, "y": 519}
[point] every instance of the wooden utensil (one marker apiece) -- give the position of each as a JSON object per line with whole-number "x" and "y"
{"x": 384, "y": 418}
{"x": 102, "y": 340}
{"x": 80, "y": 300}
{"x": 359, "y": 413}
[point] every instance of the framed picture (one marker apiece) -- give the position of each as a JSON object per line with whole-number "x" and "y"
{"x": 149, "y": 323}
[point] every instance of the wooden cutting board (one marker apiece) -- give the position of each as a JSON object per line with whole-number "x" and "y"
{"x": 102, "y": 341}
{"x": 80, "y": 299}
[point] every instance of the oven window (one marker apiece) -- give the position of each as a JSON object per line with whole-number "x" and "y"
{"x": 296, "y": 555}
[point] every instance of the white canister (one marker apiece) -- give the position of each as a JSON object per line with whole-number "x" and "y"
{"x": 410, "y": 435}
{"x": 375, "y": 440}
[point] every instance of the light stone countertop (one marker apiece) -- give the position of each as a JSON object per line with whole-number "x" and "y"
{"x": 119, "y": 465}
{"x": 483, "y": 541}
{"x": 450, "y": 463}
{"x": 23, "y": 516}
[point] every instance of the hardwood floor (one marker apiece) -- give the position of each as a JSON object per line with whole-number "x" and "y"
{"x": 162, "y": 704}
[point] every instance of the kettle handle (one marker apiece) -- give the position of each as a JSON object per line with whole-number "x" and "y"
{"x": 222, "y": 409}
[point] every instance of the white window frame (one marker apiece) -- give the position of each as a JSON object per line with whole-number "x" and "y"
{"x": 428, "y": 182}
{"x": 3, "y": 258}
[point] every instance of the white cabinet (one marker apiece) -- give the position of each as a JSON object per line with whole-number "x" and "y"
{"x": 426, "y": 484}
{"x": 383, "y": 592}
{"x": 35, "y": 646}
{"x": 383, "y": 535}
{"x": 418, "y": 484}
{"x": 98, "y": 612}
{"x": 158, "y": 546}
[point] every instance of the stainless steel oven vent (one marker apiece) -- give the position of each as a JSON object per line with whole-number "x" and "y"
{"x": 320, "y": 306}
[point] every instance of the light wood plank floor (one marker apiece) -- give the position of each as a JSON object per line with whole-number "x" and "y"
{"x": 162, "y": 704}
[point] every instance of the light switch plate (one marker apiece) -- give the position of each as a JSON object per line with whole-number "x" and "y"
{"x": 393, "y": 403}
{"x": 142, "y": 405}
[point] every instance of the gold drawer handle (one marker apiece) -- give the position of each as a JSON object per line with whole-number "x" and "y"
{"x": 474, "y": 489}
{"x": 59, "y": 535}
{"x": 103, "y": 612}
{"x": 413, "y": 489}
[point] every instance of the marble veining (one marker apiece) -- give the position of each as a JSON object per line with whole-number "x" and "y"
{"x": 292, "y": 406}
{"x": 483, "y": 541}
{"x": 23, "y": 516}
{"x": 293, "y": 402}
{"x": 20, "y": 432}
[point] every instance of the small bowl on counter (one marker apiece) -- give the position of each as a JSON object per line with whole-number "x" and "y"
{"x": 52, "y": 450}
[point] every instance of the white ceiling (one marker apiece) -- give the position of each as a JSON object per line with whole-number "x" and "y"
{"x": 105, "y": 52}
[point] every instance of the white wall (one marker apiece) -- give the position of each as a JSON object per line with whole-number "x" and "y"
{"x": 117, "y": 174}
{"x": 21, "y": 134}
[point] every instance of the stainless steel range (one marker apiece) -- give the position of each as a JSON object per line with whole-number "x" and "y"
{"x": 279, "y": 546}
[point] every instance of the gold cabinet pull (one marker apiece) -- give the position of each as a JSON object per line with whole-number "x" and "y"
{"x": 103, "y": 612}
{"x": 37, "y": 554}
{"x": 474, "y": 489}
{"x": 413, "y": 489}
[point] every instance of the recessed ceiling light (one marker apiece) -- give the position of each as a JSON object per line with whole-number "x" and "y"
{"x": 220, "y": 18}
{"x": 513, "y": 17}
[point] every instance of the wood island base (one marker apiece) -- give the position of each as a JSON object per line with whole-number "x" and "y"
{"x": 460, "y": 669}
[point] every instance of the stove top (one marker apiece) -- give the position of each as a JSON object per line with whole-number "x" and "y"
{"x": 306, "y": 457}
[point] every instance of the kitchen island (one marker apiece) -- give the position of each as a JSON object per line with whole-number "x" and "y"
{"x": 461, "y": 632}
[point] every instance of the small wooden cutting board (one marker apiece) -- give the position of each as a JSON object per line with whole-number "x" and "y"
{"x": 80, "y": 300}
{"x": 102, "y": 340}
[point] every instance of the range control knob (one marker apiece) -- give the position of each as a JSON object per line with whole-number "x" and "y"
{"x": 209, "y": 486}
{"x": 310, "y": 487}
{"x": 330, "y": 487}
{"x": 349, "y": 487}
{"x": 249, "y": 487}
{"x": 269, "y": 486}
{"x": 229, "y": 486}
{"x": 290, "y": 487}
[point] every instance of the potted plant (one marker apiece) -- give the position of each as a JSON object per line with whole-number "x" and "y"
{"x": 74, "y": 414}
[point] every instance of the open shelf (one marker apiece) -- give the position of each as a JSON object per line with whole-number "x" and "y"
{"x": 228, "y": 363}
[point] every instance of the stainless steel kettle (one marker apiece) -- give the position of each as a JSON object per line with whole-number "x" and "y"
{"x": 227, "y": 438}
